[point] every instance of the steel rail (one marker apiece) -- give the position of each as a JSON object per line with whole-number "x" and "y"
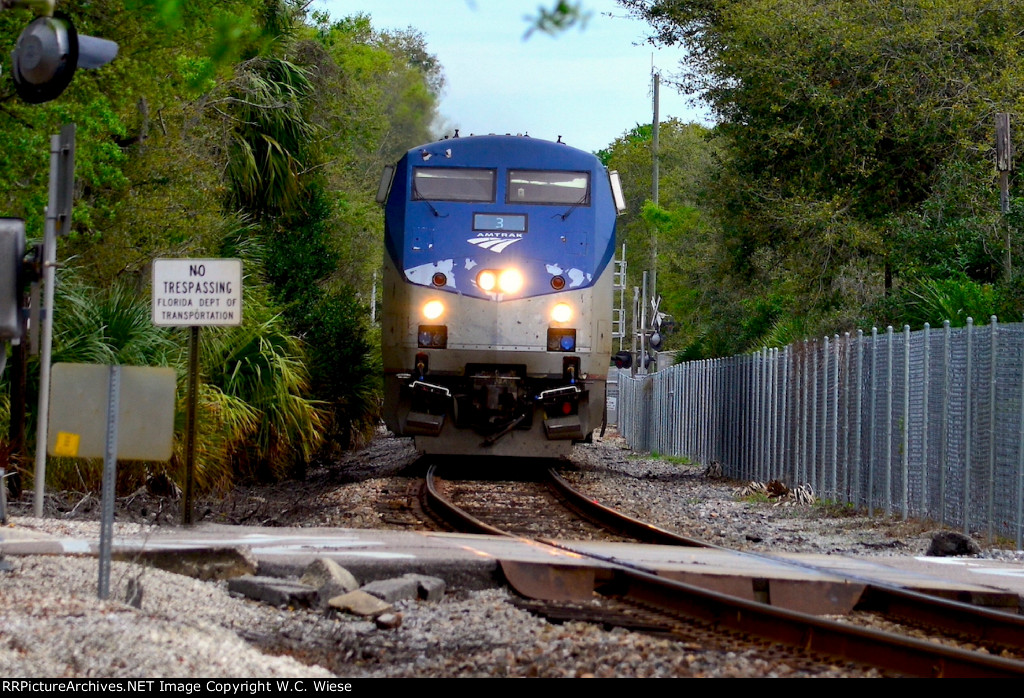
{"x": 590, "y": 508}
{"x": 872, "y": 647}
{"x": 984, "y": 625}
{"x": 883, "y": 650}
{"x": 460, "y": 519}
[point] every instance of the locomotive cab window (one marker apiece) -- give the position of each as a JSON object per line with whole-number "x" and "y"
{"x": 551, "y": 187}
{"x": 452, "y": 184}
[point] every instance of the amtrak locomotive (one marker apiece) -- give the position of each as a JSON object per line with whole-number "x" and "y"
{"x": 497, "y": 296}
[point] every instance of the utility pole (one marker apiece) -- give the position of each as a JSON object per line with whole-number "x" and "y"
{"x": 654, "y": 182}
{"x": 650, "y": 289}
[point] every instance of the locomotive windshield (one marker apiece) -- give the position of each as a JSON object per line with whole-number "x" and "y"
{"x": 548, "y": 187}
{"x": 452, "y": 184}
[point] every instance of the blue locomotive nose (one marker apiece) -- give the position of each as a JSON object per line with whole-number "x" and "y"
{"x": 515, "y": 236}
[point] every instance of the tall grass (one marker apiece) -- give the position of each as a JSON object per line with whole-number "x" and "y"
{"x": 108, "y": 327}
{"x": 261, "y": 366}
{"x": 937, "y": 300}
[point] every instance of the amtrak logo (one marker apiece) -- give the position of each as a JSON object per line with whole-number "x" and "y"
{"x": 495, "y": 243}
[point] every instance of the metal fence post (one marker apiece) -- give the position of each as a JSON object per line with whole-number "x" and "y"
{"x": 765, "y": 417}
{"x": 835, "y": 418}
{"x": 993, "y": 355}
{"x": 688, "y": 407}
{"x": 755, "y": 412}
{"x": 778, "y": 418}
{"x": 748, "y": 422}
{"x": 805, "y": 455}
{"x": 925, "y": 508}
{"x": 769, "y": 408}
{"x": 825, "y": 348}
{"x": 737, "y": 408}
{"x": 844, "y": 489}
{"x": 968, "y": 416}
{"x": 858, "y": 404}
{"x": 813, "y": 461}
{"x": 725, "y": 435}
{"x": 905, "y": 459}
{"x": 944, "y": 438}
{"x": 784, "y": 416}
{"x": 709, "y": 411}
{"x": 888, "y": 420}
{"x": 800, "y": 414}
{"x": 872, "y": 432}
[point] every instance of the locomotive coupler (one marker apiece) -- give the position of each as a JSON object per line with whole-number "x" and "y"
{"x": 489, "y": 441}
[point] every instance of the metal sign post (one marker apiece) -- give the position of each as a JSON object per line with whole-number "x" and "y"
{"x": 109, "y": 480}
{"x": 58, "y": 222}
{"x": 89, "y": 422}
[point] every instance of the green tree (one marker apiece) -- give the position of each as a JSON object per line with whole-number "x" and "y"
{"x": 688, "y": 240}
{"x": 858, "y": 136}
{"x": 313, "y": 118}
{"x": 233, "y": 128}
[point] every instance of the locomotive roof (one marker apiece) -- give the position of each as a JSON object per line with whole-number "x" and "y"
{"x": 510, "y": 150}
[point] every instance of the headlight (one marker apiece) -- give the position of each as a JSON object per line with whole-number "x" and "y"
{"x": 510, "y": 281}
{"x": 486, "y": 280}
{"x": 562, "y": 312}
{"x": 433, "y": 309}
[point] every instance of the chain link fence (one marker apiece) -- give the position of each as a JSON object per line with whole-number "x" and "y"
{"x": 926, "y": 424}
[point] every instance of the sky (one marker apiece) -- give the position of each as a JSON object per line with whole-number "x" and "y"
{"x": 588, "y": 85}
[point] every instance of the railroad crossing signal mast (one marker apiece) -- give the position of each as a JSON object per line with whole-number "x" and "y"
{"x": 647, "y": 335}
{"x": 43, "y": 63}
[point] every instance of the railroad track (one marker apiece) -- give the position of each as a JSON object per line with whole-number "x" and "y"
{"x": 527, "y": 506}
{"x": 637, "y": 598}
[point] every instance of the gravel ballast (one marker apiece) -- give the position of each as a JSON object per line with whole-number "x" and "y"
{"x": 54, "y": 626}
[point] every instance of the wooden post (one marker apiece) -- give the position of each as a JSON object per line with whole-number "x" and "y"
{"x": 1004, "y": 165}
{"x": 187, "y": 504}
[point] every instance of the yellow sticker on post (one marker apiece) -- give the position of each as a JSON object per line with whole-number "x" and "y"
{"x": 67, "y": 444}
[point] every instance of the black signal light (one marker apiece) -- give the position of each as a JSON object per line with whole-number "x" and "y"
{"x": 48, "y": 52}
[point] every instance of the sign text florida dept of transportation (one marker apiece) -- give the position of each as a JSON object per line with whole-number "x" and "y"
{"x": 197, "y": 292}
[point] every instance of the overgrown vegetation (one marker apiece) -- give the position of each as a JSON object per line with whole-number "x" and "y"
{"x": 848, "y": 182}
{"x": 850, "y": 178}
{"x": 246, "y": 128}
